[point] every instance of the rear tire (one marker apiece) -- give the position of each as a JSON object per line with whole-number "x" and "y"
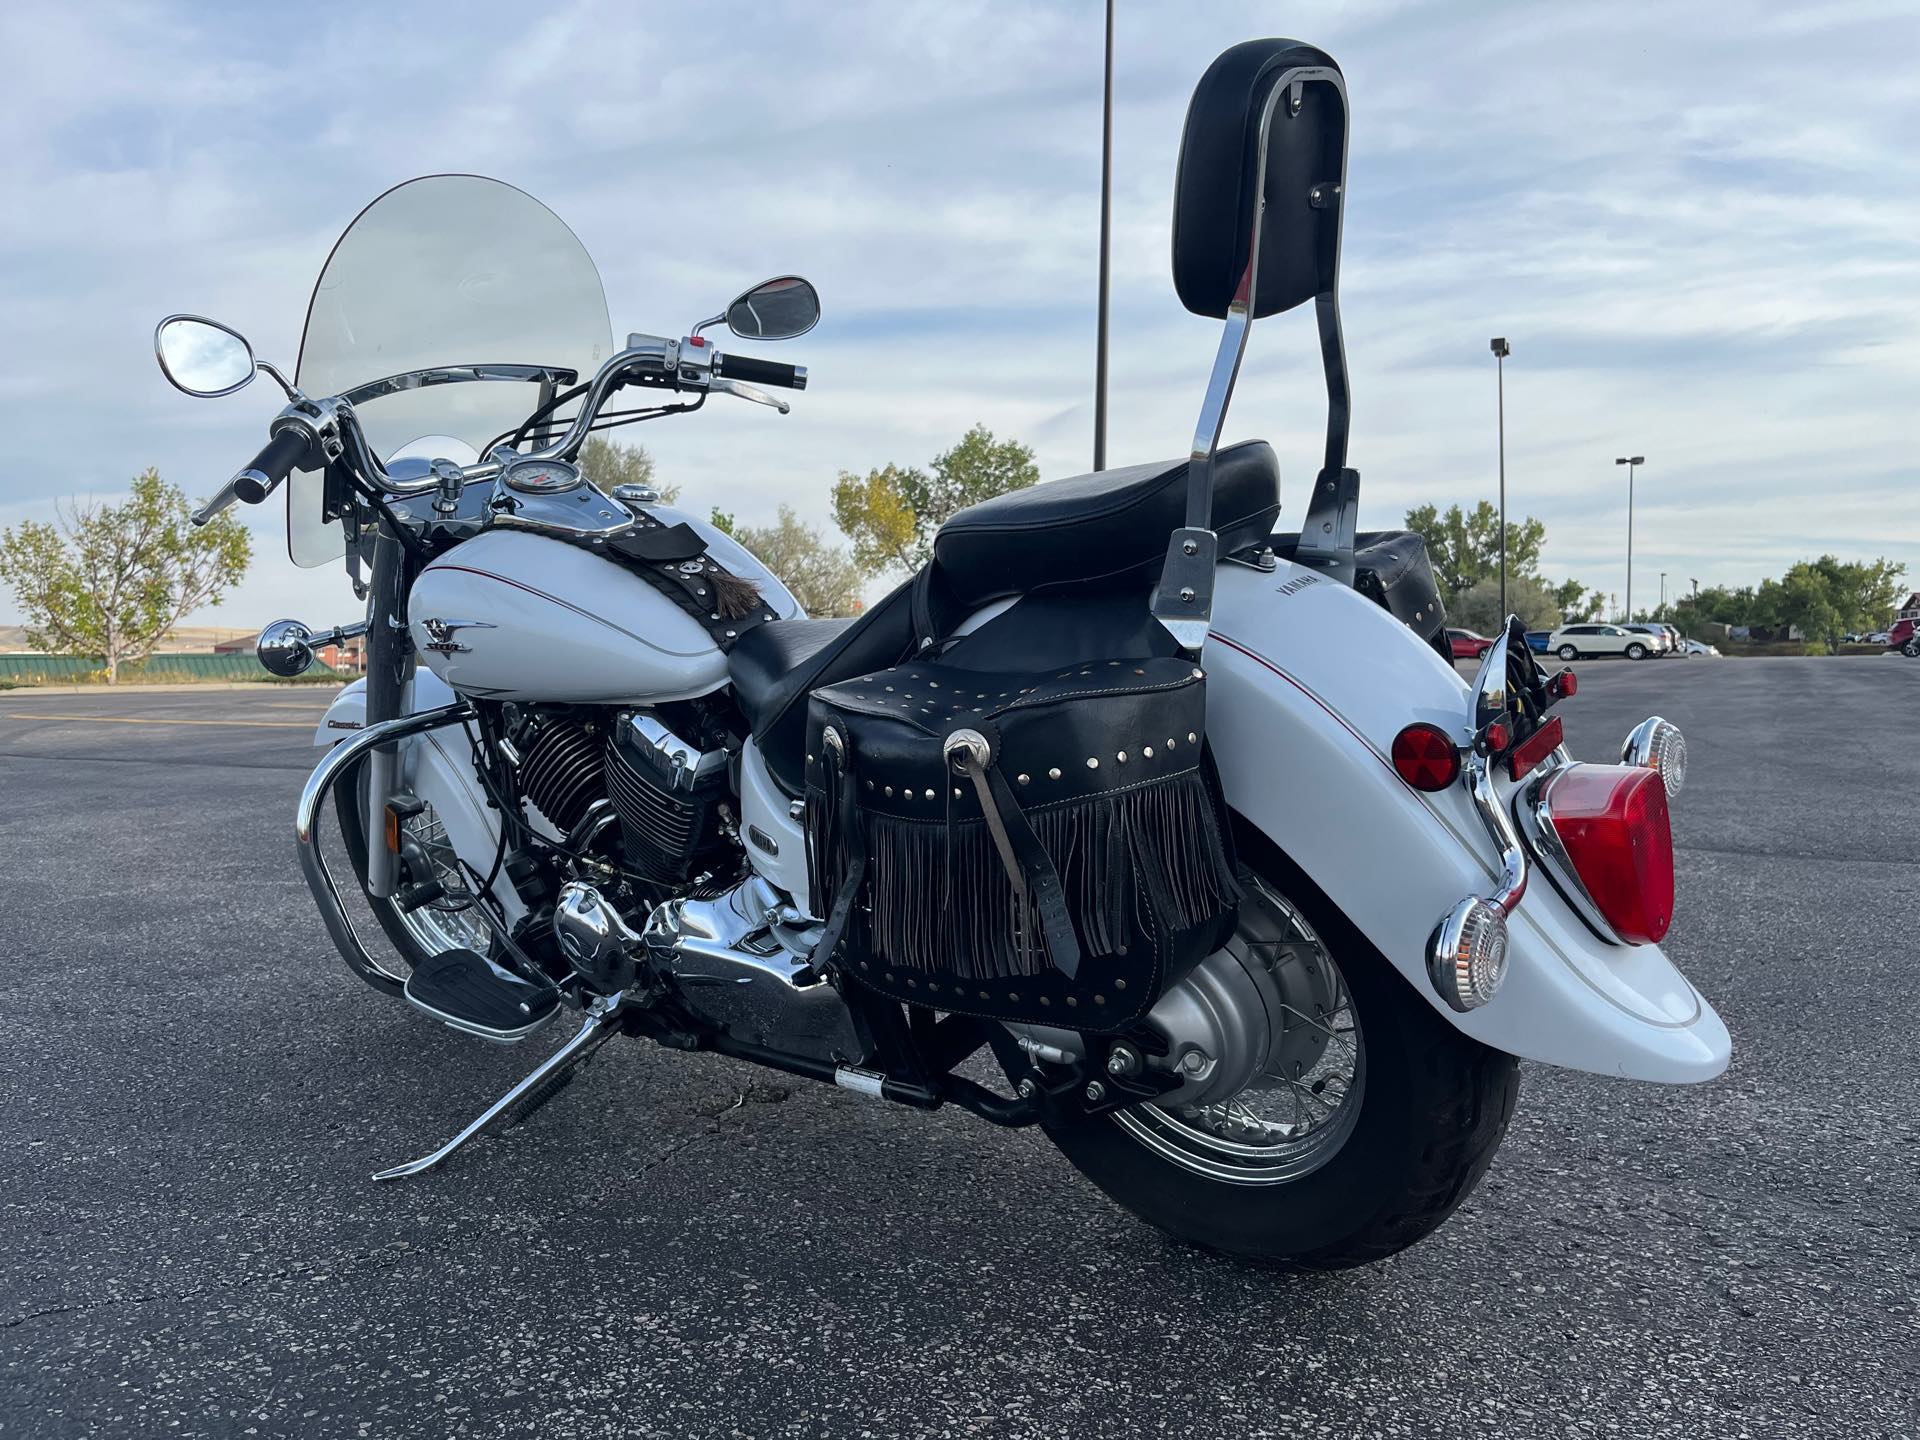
{"x": 1567, "y": 652}
{"x": 1636, "y": 652}
{"x": 1434, "y": 1106}
{"x": 1911, "y": 649}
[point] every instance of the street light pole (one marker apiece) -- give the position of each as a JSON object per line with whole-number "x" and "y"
{"x": 1106, "y": 238}
{"x": 1500, "y": 352}
{"x": 1630, "y": 461}
{"x": 1663, "y": 590}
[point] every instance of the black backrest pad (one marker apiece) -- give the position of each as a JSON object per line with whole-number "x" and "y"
{"x": 1108, "y": 529}
{"x": 1214, "y": 181}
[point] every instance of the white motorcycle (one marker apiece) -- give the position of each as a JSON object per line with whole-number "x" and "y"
{"x": 1190, "y": 823}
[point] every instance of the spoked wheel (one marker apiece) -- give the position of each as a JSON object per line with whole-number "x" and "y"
{"x": 1300, "y": 1106}
{"x": 449, "y": 923}
{"x": 1366, "y": 1121}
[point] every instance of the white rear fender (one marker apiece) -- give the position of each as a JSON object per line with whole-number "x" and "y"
{"x": 437, "y": 768}
{"x": 1308, "y": 684}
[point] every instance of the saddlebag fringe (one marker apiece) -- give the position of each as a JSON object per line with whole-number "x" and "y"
{"x": 1084, "y": 868}
{"x": 939, "y": 897}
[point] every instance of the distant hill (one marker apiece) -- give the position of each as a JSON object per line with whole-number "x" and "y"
{"x": 188, "y": 639}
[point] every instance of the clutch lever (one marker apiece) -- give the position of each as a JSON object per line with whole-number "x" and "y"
{"x": 754, "y": 393}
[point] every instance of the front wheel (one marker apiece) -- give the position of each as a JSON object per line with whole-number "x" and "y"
{"x": 1371, "y": 1119}
{"x": 1567, "y": 652}
{"x": 447, "y": 923}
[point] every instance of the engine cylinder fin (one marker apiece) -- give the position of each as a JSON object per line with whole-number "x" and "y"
{"x": 561, "y": 773}
{"x": 668, "y": 827}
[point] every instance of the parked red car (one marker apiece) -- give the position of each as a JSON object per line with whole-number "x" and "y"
{"x": 1468, "y": 646}
{"x": 1905, "y": 637}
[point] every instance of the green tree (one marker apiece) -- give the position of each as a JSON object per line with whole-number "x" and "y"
{"x": 112, "y": 580}
{"x": 822, "y": 577}
{"x": 1576, "y": 601}
{"x": 891, "y": 514}
{"x": 1828, "y": 597}
{"x": 1718, "y": 604}
{"x": 1528, "y": 596}
{"x": 873, "y": 512}
{"x": 609, "y": 463}
{"x": 1464, "y": 546}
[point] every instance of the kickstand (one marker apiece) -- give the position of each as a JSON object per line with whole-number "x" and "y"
{"x": 546, "y": 1081}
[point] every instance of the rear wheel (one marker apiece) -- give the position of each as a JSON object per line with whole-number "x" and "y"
{"x": 1371, "y": 1120}
{"x": 1911, "y": 649}
{"x": 1567, "y": 652}
{"x": 448, "y": 923}
{"x": 1636, "y": 652}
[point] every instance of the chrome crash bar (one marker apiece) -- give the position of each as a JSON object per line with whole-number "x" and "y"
{"x": 306, "y": 824}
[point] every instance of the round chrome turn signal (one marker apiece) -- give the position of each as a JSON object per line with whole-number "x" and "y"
{"x": 1659, "y": 746}
{"x": 1469, "y": 959}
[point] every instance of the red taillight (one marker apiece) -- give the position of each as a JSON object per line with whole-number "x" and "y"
{"x": 1564, "y": 685}
{"x": 1612, "y": 821}
{"x": 1425, "y": 758}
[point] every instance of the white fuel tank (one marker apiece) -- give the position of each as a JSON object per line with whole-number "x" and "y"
{"x": 512, "y": 615}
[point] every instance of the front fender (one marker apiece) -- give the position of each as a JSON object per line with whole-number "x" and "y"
{"x": 1308, "y": 684}
{"x": 437, "y": 768}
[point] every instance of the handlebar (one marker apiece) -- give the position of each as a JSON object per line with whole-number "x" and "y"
{"x": 646, "y": 359}
{"x": 270, "y": 467}
{"x": 755, "y": 371}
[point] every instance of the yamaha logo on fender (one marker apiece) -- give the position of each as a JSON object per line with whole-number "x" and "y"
{"x": 441, "y": 632}
{"x": 1286, "y": 587}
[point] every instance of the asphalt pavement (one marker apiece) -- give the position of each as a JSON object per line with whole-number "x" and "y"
{"x": 196, "y": 1091}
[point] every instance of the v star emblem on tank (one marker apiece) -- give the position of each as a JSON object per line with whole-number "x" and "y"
{"x": 441, "y": 632}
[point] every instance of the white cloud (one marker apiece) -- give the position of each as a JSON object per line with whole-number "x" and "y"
{"x": 1696, "y": 229}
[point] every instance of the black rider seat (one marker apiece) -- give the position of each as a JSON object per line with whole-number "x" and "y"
{"x": 1100, "y": 531}
{"x": 1105, "y": 531}
{"x": 775, "y": 666}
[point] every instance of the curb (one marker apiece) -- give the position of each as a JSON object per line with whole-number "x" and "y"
{"x": 185, "y": 688}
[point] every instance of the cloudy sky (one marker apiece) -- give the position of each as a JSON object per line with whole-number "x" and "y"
{"x": 1699, "y": 226}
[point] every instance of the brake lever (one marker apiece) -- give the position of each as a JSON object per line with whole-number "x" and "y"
{"x": 748, "y": 392}
{"x": 213, "y": 507}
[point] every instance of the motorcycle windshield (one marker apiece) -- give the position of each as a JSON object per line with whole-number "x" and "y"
{"x": 447, "y": 270}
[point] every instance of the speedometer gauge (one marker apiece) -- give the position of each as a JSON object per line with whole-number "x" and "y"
{"x": 541, "y": 477}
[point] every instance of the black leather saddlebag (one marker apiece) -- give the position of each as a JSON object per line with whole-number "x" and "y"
{"x": 1047, "y": 848}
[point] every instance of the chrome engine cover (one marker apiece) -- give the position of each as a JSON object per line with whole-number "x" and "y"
{"x": 743, "y": 960}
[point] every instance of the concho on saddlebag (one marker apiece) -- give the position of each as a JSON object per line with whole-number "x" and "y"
{"x": 1045, "y": 848}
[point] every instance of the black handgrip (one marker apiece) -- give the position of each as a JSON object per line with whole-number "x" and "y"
{"x": 762, "y": 372}
{"x": 272, "y": 465}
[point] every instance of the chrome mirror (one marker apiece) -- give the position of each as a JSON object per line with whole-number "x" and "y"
{"x": 776, "y": 309}
{"x": 1491, "y": 696}
{"x": 285, "y": 647}
{"x": 202, "y": 357}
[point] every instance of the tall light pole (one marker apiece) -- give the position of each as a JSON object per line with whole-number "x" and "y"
{"x": 1106, "y": 236}
{"x": 1630, "y": 461}
{"x": 1663, "y": 590}
{"x": 1501, "y": 350}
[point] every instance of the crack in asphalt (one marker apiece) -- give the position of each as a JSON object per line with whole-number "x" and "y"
{"x": 1824, "y": 856}
{"x": 350, "y": 1262}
